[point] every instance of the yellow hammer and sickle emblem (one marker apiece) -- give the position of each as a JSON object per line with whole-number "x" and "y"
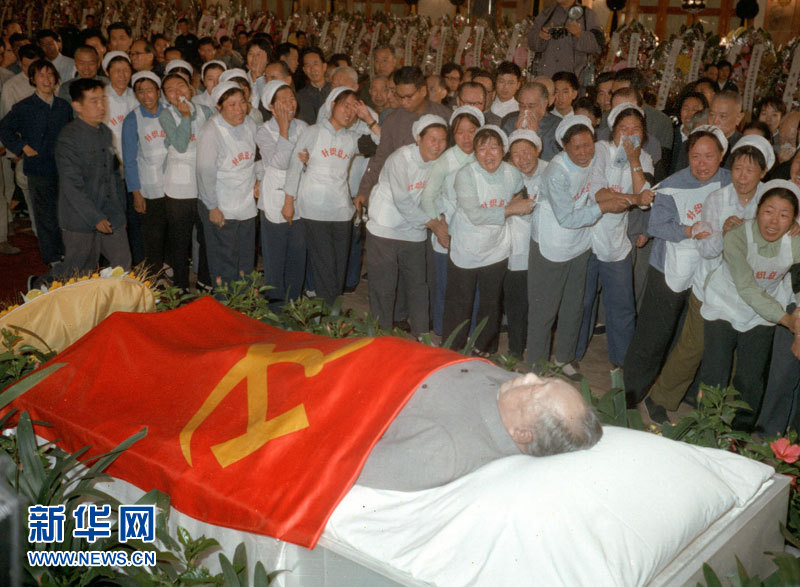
{"x": 253, "y": 368}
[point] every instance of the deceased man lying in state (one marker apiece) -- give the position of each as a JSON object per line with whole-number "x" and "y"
{"x": 468, "y": 414}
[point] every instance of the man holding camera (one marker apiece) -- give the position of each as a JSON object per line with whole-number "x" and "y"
{"x": 564, "y": 35}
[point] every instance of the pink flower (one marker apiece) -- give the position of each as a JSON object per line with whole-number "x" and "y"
{"x": 788, "y": 453}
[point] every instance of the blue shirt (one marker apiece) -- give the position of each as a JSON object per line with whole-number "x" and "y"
{"x": 130, "y": 145}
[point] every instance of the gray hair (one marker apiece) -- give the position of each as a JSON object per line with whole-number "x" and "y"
{"x": 351, "y": 74}
{"x": 554, "y": 434}
{"x": 536, "y": 86}
{"x": 734, "y": 97}
{"x": 699, "y": 119}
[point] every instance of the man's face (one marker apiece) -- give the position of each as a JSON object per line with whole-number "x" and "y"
{"x": 206, "y": 52}
{"x": 532, "y": 101}
{"x": 565, "y": 95}
{"x": 50, "y": 46}
{"x": 507, "y": 86}
{"x": 160, "y": 46}
{"x": 292, "y": 59}
{"x": 275, "y": 71}
{"x": 342, "y": 79}
{"x": 148, "y": 93}
{"x": 436, "y": 92}
{"x": 690, "y": 107}
{"x": 712, "y": 73}
{"x": 183, "y": 27}
{"x": 119, "y": 40}
{"x": 242, "y": 38}
{"x": 787, "y": 136}
{"x": 45, "y": 81}
{"x": 451, "y": 80}
{"x": 725, "y": 114}
{"x": 471, "y": 97}
{"x": 86, "y": 64}
{"x": 724, "y": 74}
{"x": 92, "y": 107}
{"x": 314, "y": 68}
{"x": 141, "y": 59}
{"x": 25, "y": 63}
{"x": 384, "y": 62}
{"x": 489, "y": 87}
{"x": 410, "y": 97}
{"x": 518, "y": 399}
{"x": 379, "y": 92}
{"x": 603, "y": 98}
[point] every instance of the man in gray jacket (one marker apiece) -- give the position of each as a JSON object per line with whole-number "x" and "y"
{"x": 91, "y": 195}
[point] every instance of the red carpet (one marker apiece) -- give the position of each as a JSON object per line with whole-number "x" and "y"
{"x": 15, "y": 269}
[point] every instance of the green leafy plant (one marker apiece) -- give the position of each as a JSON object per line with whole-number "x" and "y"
{"x": 17, "y": 359}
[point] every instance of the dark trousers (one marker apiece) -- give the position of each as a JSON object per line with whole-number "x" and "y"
{"x": 354, "y": 260}
{"x": 459, "y": 299}
{"x": 154, "y": 233}
{"x": 515, "y": 303}
{"x": 783, "y": 384}
{"x": 44, "y": 194}
{"x": 388, "y": 259}
{"x": 181, "y": 215}
{"x": 283, "y": 248}
{"x": 231, "y": 248}
{"x": 134, "y": 230}
{"x": 752, "y": 350}
{"x": 82, "y": 251}
{"x": 328, "y": 243}
{"x": 438, "y": 291}
{"x": 658, "y": 320}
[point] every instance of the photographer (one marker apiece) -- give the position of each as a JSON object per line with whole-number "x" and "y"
{"x": 564, "y": 35}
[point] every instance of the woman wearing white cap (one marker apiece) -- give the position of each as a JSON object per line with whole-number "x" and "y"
{"x": 320, "y": 192}
{"x": 746, "y": 296}
{"x": 525, "y": 146}
{"x": 621, "y": 169}
{"x": 439, "y": 197}
{"x": 181, "y": 67}
{"x": 283, "y": 241}
{"x": 121, "y": 99}
{"x": 227, "y": 186}
{"x": 209, "y": 74}
{"x": 241, "y": 77}
{"x": 561, "y": 244}
{"x": 145, "y": 153}
{"x": 725, "y": 208}
{"x": 675, "y": 223}
{"x": 488, "y": 191}
{"x": 396, "y": 229}
{"x": 181, "y": 122}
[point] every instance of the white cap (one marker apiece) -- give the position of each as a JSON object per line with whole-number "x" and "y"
{"x": 111, "y": 55}
{"x": 568, "y": 122}
{"x": 221, "y": 88}
{"x": 781, "y": 183}
{"x": 229, "y": 74}
{"x": 714, "y": 130}
{"x": 145, "y": 75}
{"x": 759, "y": 143}
{"x": 525, "y": 135}
{"x": 468, "y": 110}
{"x": 499, "y": 131}
{"x": 424, "y": 122}
{"x": 334, "y": 93}
{"x": 269, "y": 91}
{"x": 616, "y": 110}
{"x": 212, "y": 62}
{"x": 178, "y": 63}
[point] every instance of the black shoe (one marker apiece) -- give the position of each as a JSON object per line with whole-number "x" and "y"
{"x": 657, "y": 413}
{"x": 402, "y": 325}
{"x": 600, "y": 329}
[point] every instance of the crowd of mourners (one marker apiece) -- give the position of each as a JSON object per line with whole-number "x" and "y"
{"x": 556, "y": 206}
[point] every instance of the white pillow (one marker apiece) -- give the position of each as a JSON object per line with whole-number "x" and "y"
{"x": 613, "y": 515}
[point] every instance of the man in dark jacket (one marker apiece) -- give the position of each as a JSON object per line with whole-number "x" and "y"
{"x": 91, "y": 194}
{"x": 29, "y": 131}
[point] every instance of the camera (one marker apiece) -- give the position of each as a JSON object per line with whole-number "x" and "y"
{"x": 557, "y": 32}
{"x": 574, "y": 13}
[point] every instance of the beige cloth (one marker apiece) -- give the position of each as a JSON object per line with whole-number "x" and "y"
{"x": 62, "y": 316}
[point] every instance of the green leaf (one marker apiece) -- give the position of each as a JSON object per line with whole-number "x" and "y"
{"x": 260, "y": 578}
{"x": 228, "y": 573}
{"x": 710, "y": 576}
{"x": 16, "y": 390}
{"x": 474, "y": 337}
{"x": 32, "y": 475}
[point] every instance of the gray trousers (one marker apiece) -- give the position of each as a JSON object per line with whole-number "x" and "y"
{"x": 82, "y": 251}
{"x": 783, "y": 385}
{"x": 555, "y": 290}
{"x": 392, "y": 265}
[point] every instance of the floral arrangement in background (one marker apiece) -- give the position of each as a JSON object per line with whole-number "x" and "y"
{"x": 741, "y": 43}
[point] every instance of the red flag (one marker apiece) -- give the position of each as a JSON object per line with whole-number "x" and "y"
{"x": 249, "y": 426}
